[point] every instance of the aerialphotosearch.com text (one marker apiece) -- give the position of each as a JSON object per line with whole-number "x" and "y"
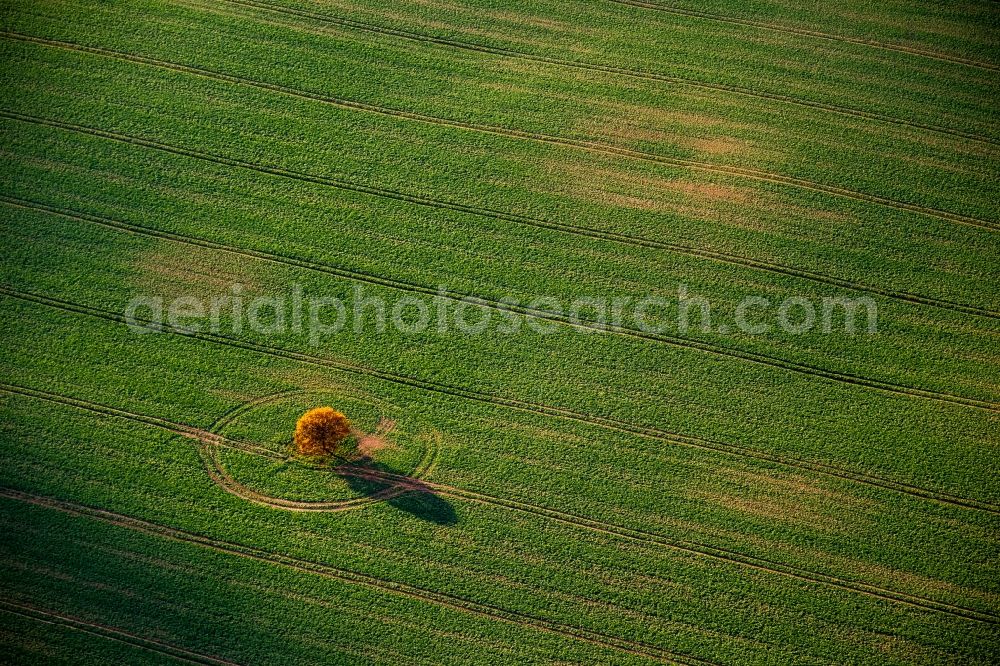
{"x": 443, "y": 311}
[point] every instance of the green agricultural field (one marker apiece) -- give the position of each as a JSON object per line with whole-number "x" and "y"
{"x": 667, "y": 331}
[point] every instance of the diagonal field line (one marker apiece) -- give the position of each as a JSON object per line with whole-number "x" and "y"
{"x": 727, "y": 556}
{"x": 535, "y": 313}
{"x": 590, "y": 146}
{"x": 348, "y": 576}
{"x": 172, "y": 427}
{"x": 111, "y": 633}
{"x": 524, "y": 406}
{"x": 585, "y": 232}
{"x": 610, "y": 69}
{"x": 900, "y": 48}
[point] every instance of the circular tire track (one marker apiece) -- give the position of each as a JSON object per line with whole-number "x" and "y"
{"x": 208, "y": 450}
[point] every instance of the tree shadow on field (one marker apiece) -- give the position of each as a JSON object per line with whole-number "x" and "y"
{"x": 373, "y": 479}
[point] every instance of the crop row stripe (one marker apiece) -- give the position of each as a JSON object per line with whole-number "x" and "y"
{"x": 591, "y": 146}
{"x": 524, "y": 406}
{"x": 535, "y": 313}
{"x": 112, "y": 633}
{"x": 585, "y": 232}
{"x": 405, "y": 484}
{"x": 351, "y": 577}
{"x": 611, "y": 69}
{"x": 924, "y": 53}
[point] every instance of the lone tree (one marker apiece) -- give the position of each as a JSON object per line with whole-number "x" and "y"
{"x": 319, "y": 431}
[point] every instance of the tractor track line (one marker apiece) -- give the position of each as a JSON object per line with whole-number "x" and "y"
{"x": 694, "y": 548}
{"x": 405, "y": 484}
{"x": 900, "y": 48}
{"x": 556, "y": 318}
{"x": 452, "y": 601}
{"x": 606, "y": 423}
{"x": 221, "y": 477}
{"x": 611, "y": 69}
{"x": 173, "y": 427}
{"x": 591, "y": 146}
{"x": 111, "y": 633}
{"x": 586, "y": 232}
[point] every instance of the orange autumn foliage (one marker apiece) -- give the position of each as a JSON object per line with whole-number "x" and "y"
{"x": 319, "y": 431}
